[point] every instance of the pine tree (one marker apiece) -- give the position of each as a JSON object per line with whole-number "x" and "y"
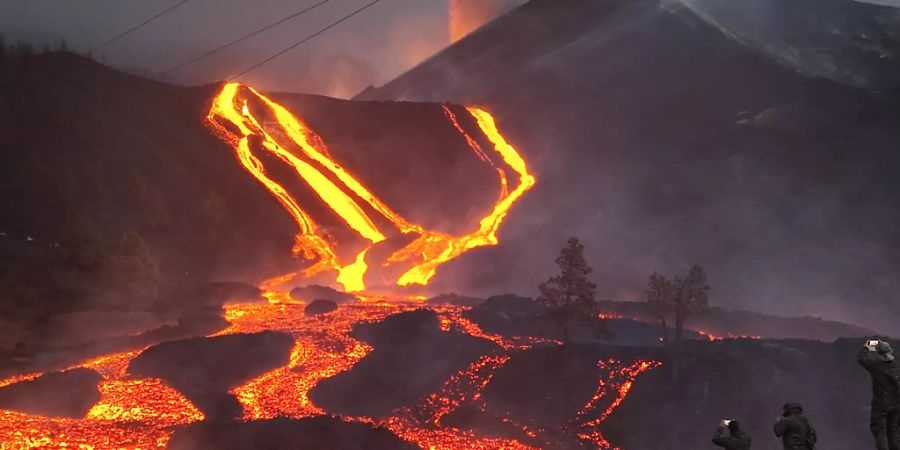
{"x": 569, "y": 296}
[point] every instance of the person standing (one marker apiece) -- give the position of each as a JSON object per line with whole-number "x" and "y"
{"x": 736, "y": 439}
{"x": 794, "y": 429}
{"x": 877, "y": 357}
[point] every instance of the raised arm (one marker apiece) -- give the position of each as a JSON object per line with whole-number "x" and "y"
{"x": 718, "y": 439}
{"x": 867, "y": 358}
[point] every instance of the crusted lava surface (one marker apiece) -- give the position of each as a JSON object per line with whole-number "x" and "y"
{"x": 411, "y": 358}
{"x": 204, "y": 369}
{"x": 56, "y": 394}
{"x": 282, "y": 433}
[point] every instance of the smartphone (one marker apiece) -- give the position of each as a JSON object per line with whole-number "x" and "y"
{"x": 727, "y": 422}
{"x": 872, "y": 343}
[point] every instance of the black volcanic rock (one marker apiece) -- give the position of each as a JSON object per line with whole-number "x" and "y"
{"x": 315, "y": 291}
{"x": 398, "y": 328}
{"x": 320, "y": 306}
{"x": 560, "y": 382}
{"x": 55, "y": 394}
{"x": 699, "y": 383}
{"x": 674, "y": 143}
{"x": 749, "y": 381}
{"x": 724, "y": 323}
{"x": 508, "y": 315}
{"x": 853, "y": 42}
{"x": 454, "y": 299}
{"x": 204, "y": 369}
{"x": 225, "y": 292}
{"x": 286, "y": 434}
{"x": 412, "y": 358}
{"x": 200, "y": 214}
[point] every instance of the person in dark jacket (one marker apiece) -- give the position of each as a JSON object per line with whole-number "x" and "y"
{"x": 794, "y": 429}
{"x": 877, "y": 357}
{"x": 737, "y": 439}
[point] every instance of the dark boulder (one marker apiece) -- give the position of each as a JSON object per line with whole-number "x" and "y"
{"x": 227, "y": 292}
{"x": 316, "y": 291}
{"x": 558, "y": 384}
{"x": 319, "y": 306}
{"x": 509, "y": 315}
{"x": 55, "y": 394}
{"x": 412, "y": 358}
{"x": 205, "y": 369}
{"x": 286, "y": 434}
{"x": 454, "y": 299}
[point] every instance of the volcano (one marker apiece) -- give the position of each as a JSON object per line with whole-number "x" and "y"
{"x": 663, "y": 137}
{"x": 138, "y": 218}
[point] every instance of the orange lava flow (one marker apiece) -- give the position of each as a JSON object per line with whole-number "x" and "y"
{"x": 133, "y": 413}
{"x": 136, "y": 413}
{"x": 293, "y": 143}
{"x": 323, "y": 348}
{"x": 713, "y": 337}
{"x": 616, "y": 380}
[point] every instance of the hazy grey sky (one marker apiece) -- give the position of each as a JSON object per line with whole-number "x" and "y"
{"x": 372, "y": 47}
{"x": 895, "y": 3}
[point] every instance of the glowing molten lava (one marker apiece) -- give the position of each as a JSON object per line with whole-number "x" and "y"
{"x": 141, "y": 413}
{"x": 295, "y": 144}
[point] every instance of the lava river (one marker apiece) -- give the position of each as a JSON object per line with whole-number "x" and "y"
{"x": 139, "y": 413}
{"x": 255, "y": 125}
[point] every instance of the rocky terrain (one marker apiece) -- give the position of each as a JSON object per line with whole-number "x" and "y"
{"x": 662, "y": 140}
{"x": 205, "y": 369}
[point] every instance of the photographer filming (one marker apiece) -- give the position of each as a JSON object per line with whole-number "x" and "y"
{"x": 737, "y": 439}
{"x": 877, "y": 357}
{"x": 794, "y": 429}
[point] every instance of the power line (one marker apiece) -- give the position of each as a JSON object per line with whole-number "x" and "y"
{"x": 247, "y": 36}
{"x": 306, "y": 39}
{"x": 130, "y": 30}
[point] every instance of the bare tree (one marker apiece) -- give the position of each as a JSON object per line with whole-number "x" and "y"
{"x": 691, "y": 297}
{"x": 660, "y": 299}
{"x": 680, "y": 299}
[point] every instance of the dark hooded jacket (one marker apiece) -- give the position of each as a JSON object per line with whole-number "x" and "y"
{"x": 734, "y": 441}
{"x": 795, "y": 431}
{"x": 885, "y": 379}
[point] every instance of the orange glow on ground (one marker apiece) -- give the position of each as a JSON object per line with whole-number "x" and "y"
{"x": 140, "y": 413}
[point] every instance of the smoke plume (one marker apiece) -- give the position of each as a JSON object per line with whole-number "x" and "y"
{"x": 467, "y": 15}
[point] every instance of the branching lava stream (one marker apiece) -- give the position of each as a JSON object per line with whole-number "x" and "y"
{"x": 141, "y": 413}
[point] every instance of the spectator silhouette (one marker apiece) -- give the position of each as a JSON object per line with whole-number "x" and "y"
{"x": 794, "y": 429}
{"x": 736, "y": 439}
{"x": 877, "y": 357}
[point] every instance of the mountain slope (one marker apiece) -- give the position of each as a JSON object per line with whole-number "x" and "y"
{"x": 117, "y": 196}
{"x": 662, "y": 141}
